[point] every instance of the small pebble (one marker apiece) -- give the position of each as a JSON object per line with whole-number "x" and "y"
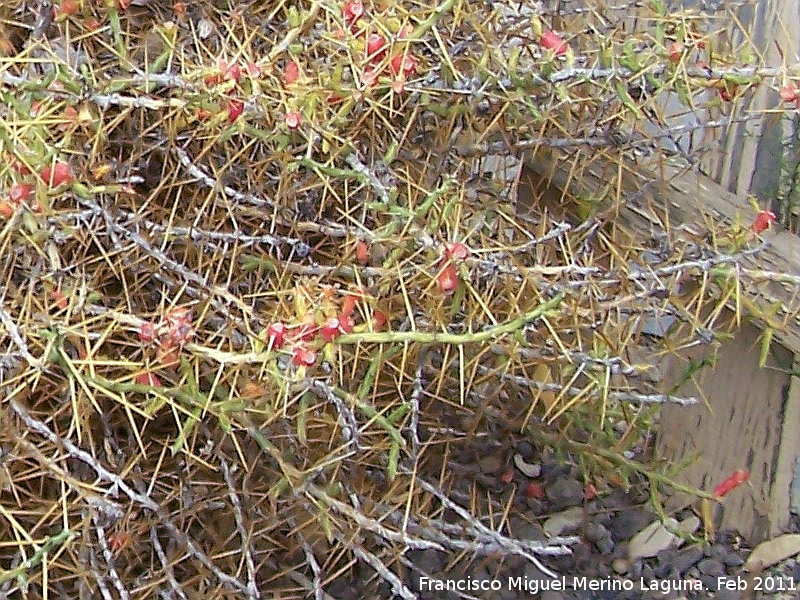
{"x": 732, "y": 559}
{"x": 620, "y": 565}
{"x": 525, "y": 449}
{"x": 628, "y": 523}
{"x": 594, "y": 532}
{"x": 686, "y": 558}
{"x": 564, "y": 493}
{"x": 605, "y": 545}
{"x": 713, "y": 567}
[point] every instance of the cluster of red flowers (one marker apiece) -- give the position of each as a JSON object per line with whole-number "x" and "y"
{"x": 230, "y": 74}
{"x": 169, "y": 335}
{"x": 447, "y": 276}
{"x": 402, "y": 64}
{"x": 301, "y": 335}
{"x": 53, "y": 175}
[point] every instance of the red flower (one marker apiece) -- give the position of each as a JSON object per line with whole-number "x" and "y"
{"x": 763, "y": 221}
{"x": 352, "y": 11}
{"x": 403, "y": 64}
{"x": 376, "y": 47}
{"x": 56, "y": 174}
{"x": 293, "y": 119}
{"x": 447, "y": 279}
{"x": 235, "y": 110}
{"x": 277, "y": 335}
{"x": 303, "y": 356}
{"x": 148, "y": 378}
{"x": 552, "y": 41}
{"x": 734, "y": 481}
{"x": 20, "y": 192}
{"x": 291, "y": 72}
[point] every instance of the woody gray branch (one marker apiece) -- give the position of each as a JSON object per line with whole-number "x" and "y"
{"x": 327, "y": 228}
{"x": 572, "y": 392}
{"x": 247, "y": 547}
{"x": 119, "y": 484}
{"x": 166, "y": 565}
{"x": 110, "y": 568}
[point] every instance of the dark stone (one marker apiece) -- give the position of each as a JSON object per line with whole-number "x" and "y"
{"x": 732, "y": 559}
{"x": 628, "y": 523}
{"x": 686, "y": 558}
{"x": 525, "y": 449}
{"x": 605, "y": 545}
{"x": 713, "y": 567}
{"x": 594, "y": 532}
{"x": 564, "y": 492}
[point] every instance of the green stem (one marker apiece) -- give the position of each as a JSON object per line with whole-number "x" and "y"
{"x": 57, "y": 540}
{"x": 425, "y": 337}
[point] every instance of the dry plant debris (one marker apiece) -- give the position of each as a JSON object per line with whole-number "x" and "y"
{"x": 262, "y": 280}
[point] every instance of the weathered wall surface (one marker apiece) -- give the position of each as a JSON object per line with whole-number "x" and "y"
{"x": 740, "y": 426}
{"x": 749, "y": 158}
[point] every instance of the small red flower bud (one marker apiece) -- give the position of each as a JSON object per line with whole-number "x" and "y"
{"x": 330, "y": 329}
{"x": 19, "y": 166}
{"x": 349, "y": 304}
{"x": 235, "y": 110}
{"x": 56, "y": 174}
{"x": 362, "y": 252}
{"x": 345, "y": 323}
{"x": 376, "y": 47}
{"x": 369, "y": 77}
{"x": 179, "y": 326}
{"x": 788, "y": 93}
{"x": 734, "y": 481}
{"x": 277, "y": 335}
{"x": 253, "y": 70}
{"x": 378, "y": 319}
{"x": 293, "y": 119}
{"x": 676, "y": 50}
{"x": 763, "y": 221}
{"x": 20, "y": 192}
{"x": 303, "y": 356}
{"x": 447, "y": 279}
{"x": 291, "y": 72}
{"x": 552, "y": 41}
{"x": 148, "y": 378}
{"x": 458, "y": 251}
{"x": 403, "y": 64}
{"x": 534, "y": 490}
{"x": 352, "y": 11}
{"x": 147, "y": 332}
